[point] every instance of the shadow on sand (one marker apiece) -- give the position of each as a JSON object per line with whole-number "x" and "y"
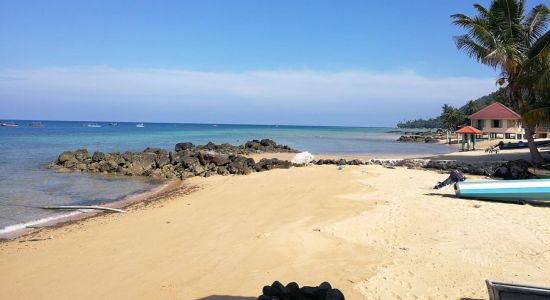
{"x": 441, "y": 195}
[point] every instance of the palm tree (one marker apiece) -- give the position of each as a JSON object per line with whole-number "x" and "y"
{"x": 471, "y": 108}
{"x": 537, "y": 80}
{"x": 451, "y": 118}
{"x": 506, "y": 38}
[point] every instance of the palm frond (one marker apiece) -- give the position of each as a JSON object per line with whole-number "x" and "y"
{"x": 475, "y": 50}
{"x": 483, "y": 12}
{"x": 535, "y": 22}
{"x": 507, "y": 14}
{"x": 540, "y": 45}
{"x": 537, "y": 116}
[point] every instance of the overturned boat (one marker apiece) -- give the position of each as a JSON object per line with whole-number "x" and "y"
{"x": 519, "y": 191}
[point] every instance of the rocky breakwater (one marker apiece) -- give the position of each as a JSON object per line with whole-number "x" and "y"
{"x": 424, "y": 137}
{"x": 516, "y": 169}
{"x": 187, "y": 160}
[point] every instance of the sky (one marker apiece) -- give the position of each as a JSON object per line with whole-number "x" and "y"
{"x": 349, "y": 63}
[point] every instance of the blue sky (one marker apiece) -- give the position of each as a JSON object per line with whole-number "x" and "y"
{"x": 287, "y": 62}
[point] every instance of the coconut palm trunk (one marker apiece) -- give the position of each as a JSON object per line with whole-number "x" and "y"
{"x": 517, "y": 99}
{"x": 536, "y": 157}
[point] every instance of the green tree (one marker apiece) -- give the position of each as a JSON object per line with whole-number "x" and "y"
{"x": 536, "y": 82}
{"x": 502, "y": 37}
{"x": 471, "y": 108}
{"x": 451, "y": 118}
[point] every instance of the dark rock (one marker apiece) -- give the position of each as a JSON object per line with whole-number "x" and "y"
{"x": 268, "y": 143}
{"x": 334, "y": 294}
{"x": 220, "y": 159}
{"x": 223, "y": 171}
{"x": 98, "y": 156}
{"x": 240, "y": 165}
{"x": 162, "y": 161}
{"x": 127, "y": 156}
{"x": 184, "y": 146}
{"x": 210, "y": 146}
{"x": 516, "y": 169}
{"x": 141, "y": 163}
{"x": 355, "y": 162}
{"x": 325, "y": 286}
{"x": 293, "y": 289}
{"x": 266, "y": 164}
{"x": 65, "y": 156}
{"x": 81, "y": 154}
{"x": 423, "y": 137}
{"x": 188, "y": 160}
{"x": 309, "y": 291}
{"x": 72, "y": 163}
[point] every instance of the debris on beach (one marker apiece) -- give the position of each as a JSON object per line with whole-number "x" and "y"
{"x": 303, "y": 158}
{"x": 292, "y": 291}
{"x": 78, "y": 207}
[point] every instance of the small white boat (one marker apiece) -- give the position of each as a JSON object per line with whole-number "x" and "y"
{"x": 505, "y": 190}
{"x": 140, "y": 125}
{"x": 9, "y": 124}
{"x": 92, "y": 125}
{"x": 113, "y": 124}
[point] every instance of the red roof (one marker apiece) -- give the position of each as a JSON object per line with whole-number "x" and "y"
{"x": 496, "y": 111}
{"x": 469, "y": 129}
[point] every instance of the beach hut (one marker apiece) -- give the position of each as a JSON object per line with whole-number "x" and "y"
{"x": 498, "y": 121}
{"x": 468, "y": 137}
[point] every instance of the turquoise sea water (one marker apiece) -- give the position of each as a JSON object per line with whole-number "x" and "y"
{"x": 26, "y": 184}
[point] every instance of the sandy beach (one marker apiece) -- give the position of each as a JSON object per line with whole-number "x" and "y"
{"x": 372, "y": 232}
{"x": 275, "y": 150}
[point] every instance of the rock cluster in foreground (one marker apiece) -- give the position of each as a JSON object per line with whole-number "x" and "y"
{"x": 292, "y": 291}
{"x": 186, "y": 161}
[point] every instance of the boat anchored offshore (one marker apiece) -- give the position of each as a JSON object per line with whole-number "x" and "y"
{"x": 519, "y": 191}
{"x": 36, "y": 124}
{"x": 9, "y": 124}
{"x": 140, "y": 125}
{"x": 93, "y": 125}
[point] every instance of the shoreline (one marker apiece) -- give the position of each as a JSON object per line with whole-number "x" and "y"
{"x": 18, "y": 230}
{"x": 21, "y": 229}
{"x": 368, "y": 230}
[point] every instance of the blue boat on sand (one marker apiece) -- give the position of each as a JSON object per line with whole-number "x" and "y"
{"x": 521, "y": 191}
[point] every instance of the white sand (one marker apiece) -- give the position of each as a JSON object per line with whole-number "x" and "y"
{"x": 372, "y": 232}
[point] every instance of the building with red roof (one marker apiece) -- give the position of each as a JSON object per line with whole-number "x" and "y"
{"x": 498, "y": 121}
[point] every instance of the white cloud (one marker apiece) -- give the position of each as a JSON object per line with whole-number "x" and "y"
{"x": 279, "y": 90}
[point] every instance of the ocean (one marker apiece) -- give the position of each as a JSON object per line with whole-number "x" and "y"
{"x": 26, "y": 185}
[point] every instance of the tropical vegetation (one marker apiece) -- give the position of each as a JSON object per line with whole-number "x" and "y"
{"x": 517, "y": 43}
{"x": 469, "y": 108}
